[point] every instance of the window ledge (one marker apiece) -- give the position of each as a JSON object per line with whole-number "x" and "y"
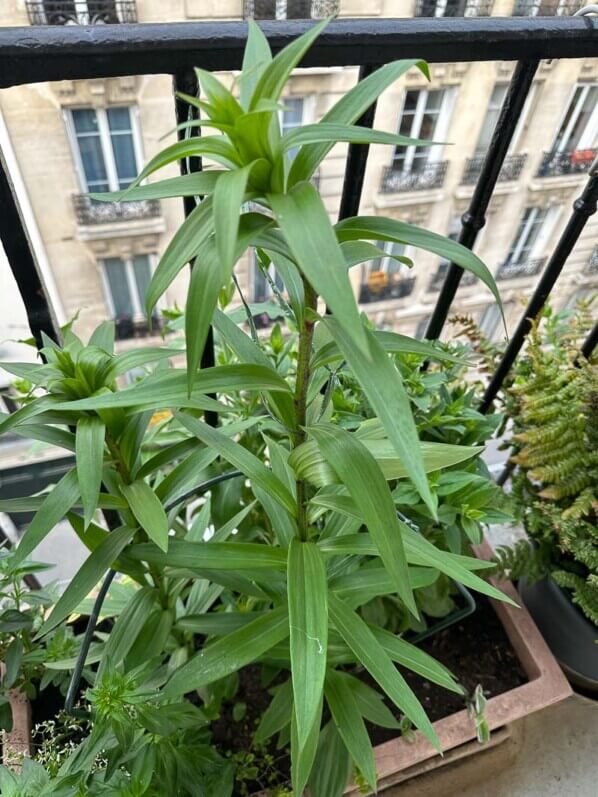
{"x": 121, "y": 229}
{"x": 409, "y": 198}
{"x": 560, "y": 181}
{"x": 506, "y": 187}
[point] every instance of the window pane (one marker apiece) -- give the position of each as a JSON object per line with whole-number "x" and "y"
{"x": 119, "y": 119}
{"x": 261, "y": 289}
{"x": 489, "y": 123}
{"x": 119, "y": 122}
{"x": 118, "y": 286}
{"x": 291, "y": 117}
{"x": 586, "y": 110}
{"x": 143, "y": 275}
{"x": 489, "y": 320}
{"x": 87, "y": 133}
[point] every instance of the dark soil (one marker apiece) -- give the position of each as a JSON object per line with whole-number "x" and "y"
{"x": 476, "y": 650}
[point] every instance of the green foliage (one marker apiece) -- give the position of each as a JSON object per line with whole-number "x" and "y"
{"x": 554, "y": 406}
{"x": 283, "y": 539}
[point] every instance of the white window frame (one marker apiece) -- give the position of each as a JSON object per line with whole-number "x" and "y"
{"x": 443, "y": 119}
{"x": 588, "y": 138}
{"x": 136, "y": 300}
{"x": 544, "y": 233}
{"x": 490, "y": 316}
{"x": 105, "y": 142}
{"x": 386, "y": 260}
{"x": 81, "y": 12}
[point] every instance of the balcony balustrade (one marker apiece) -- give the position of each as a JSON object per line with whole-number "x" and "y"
{"x": 522, "y": 268}
{"x": 290, "y": 9}
{"x": 453, "y": 8}
{"x": 511, "y": 170}
{"x": 546, "y": 8}
{"x": 81, "y": 12}
{"x": 559, "y": 164}
{"x": 427, "y": 176}
{"x": 89, "y": 212}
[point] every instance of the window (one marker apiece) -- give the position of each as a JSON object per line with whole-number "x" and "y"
{"x": 451, "y": 8}
{"x": 291, "y": 116}
{"x": 579, "y": 128}
{"x": 489, "y": 320}
{"x": 125, "y": 284}
{"x": 525, "y": 243}
{"x": 425, "y": 115}
{"x": 384, "y": 278}
{"x": 443, "y": 265}
{"x": 106, "y": 147}
{"x": 492, "y": 112}
{"x": 422, "y": 325}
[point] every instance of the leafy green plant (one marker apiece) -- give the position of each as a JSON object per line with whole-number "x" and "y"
{"x": 554, "y": 407}
{"x": 303, "y": 523}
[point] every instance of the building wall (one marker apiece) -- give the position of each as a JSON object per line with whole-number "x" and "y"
{"x": 35, "y": 120}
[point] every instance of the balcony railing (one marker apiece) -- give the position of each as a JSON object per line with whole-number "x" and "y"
{"x": 81, "y": 12}
{"x": 511, "y": 169}
{"x": 429, "y": 175}
{"x": 438, "y": 277}
{"x": 592, "y": 266}
{"x": 290, "y": 9}
{"x": 523, "y": 268}
{"x": 557, "y": 164}
{"x": 89, "y": 212}
{"x": 380, "y": 287}
{"x": 453, "y": 8}
{"x": 546, "y": 8}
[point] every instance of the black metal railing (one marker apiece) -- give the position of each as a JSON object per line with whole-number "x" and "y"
{"x": 89, "y": 212}
{"x": 559, "y": 164}
{"x": 546, "y": 8}
{"x": 81, "y": 12}
{"x": 511, "y": 169}
{"x": 380, "y": 286}
{"x": 290, "y": 9}
{"x": 71, "y": 53}
{"x": 592, "y": 266}
{"x": 420, "y": 178}
{"x": 453, "y": 8}
{"x": 521, "y": 268}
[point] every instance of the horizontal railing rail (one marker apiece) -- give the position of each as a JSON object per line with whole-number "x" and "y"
{"x": 45, "y": 53}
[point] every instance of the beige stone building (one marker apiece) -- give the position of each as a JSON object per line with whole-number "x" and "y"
{"x": 64, "y": 139}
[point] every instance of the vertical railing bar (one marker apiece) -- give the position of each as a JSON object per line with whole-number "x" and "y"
{"x": 23, "y": 263}
{"x": 475, "y": 217}
{"x": 187, "y": 83}
{"x": 590, "y": 342}
{"x": 357, "y": 158}
{"x": 583, "y": 207}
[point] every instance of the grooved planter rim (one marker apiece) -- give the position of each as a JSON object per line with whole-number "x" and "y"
{"x": 546, "y": 685}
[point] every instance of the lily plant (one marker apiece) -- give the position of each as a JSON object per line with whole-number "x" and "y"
{"x": 334, "y": 538}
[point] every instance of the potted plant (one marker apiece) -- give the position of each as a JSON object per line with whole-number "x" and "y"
{"x": 235, "y": 651}
{"x": 553, "y": 405}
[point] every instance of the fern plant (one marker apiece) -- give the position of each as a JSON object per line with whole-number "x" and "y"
{"x": 554, "y": 406}
{"x": 285, "y": 589}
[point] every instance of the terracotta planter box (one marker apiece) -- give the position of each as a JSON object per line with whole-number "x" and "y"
{"x": 398, "y": 760}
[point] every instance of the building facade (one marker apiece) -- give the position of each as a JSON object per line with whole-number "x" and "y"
{"x": 72, "y": 137}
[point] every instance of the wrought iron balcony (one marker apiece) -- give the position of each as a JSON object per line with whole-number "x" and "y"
{"x": 81, "y": 12}
{"x": 592, "y": 266}
{"x": 453, "y": 8}
{"x": 439, "y": 275}
{"x": 429, "y": 175}
{"x": 558, "y": 164}
{"x": 546, "y": 8}
{"x": 511, "y": 169}
{"x": 89, "y": 212}
{"x": 291, "y": 9}
{"x": 380, "y": 286}
{"x": 523, "y": 268}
